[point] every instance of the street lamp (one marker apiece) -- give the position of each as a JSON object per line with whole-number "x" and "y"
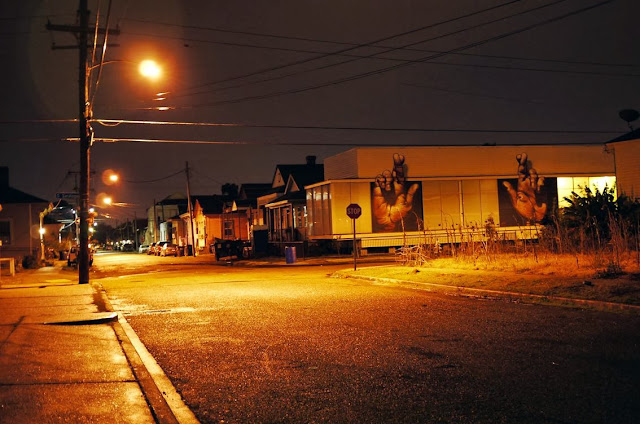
{"x": 150, "y": 69}
{"x": 86, "y": 139}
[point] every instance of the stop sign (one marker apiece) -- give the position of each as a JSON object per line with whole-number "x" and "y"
{"x": 354, "y": 211}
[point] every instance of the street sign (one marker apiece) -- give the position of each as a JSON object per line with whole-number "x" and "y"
{"x": 354, "y": 211}
{"x": 66, "y": 195}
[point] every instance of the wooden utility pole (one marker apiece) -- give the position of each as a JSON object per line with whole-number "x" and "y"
{"x": 86, "y": 133}
{"x": 193, "y": 235}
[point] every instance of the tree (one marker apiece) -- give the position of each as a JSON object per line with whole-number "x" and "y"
{"x": 591, "y": 220}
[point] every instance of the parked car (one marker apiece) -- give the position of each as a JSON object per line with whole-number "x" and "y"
{"x": 72, "y": 256}
{"x": 152, "y": 249}
{"x": 169, "y": 249}
{"x": 128, "y": 247}
{"x": 158, "y": 249}
{"x": 144, "y": 248}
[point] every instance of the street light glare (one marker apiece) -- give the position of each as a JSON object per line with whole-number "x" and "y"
{"x": 150, "y": 69}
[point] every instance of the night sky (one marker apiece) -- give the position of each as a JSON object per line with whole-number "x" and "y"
{"x": 387, "y": 72}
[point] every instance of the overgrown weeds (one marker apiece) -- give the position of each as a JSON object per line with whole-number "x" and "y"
{"x": 597, "y": 233}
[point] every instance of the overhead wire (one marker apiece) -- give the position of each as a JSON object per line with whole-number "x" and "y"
{"x": 407, "y": 63}
{"x": 362, "y": 45}
{"x": 155, "y": 180}
{"x": 381, "y": 46}
{"x": 340, "y": 128}
{"x": 391, "y": 49}
{"x": 104, "y": 52}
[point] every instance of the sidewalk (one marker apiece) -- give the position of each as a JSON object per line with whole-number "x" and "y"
{"x": 65, "y": 358}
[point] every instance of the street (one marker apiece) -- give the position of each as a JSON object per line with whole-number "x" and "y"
{"x": 290, "y": 344}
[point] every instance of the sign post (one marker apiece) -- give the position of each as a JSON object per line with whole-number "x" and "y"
{"x": 354, "y": 211}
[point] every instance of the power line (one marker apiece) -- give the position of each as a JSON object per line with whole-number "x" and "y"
{"x": 398, "y": 66}
{"x": 39, "y": 121}
{"x": 380, "y": 46}
{"x": 309, "y": 143}
{"x": 157, "y": 179}
{"x": 339, "y": 128}
{"x": 358, "y": 46}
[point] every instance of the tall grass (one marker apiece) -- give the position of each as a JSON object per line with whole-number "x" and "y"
{"x": 596, "y": 231}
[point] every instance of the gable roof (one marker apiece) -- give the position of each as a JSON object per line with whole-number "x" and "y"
{"x": 253, "y": 190}
{"x": 12, "y": 195}
{"x": 210, "y": 204}
{"x": 302, "y": 174}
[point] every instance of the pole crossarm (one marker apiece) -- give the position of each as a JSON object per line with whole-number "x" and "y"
{"x": 79, "y": 29}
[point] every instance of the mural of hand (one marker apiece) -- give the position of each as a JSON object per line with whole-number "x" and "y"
{"x": 392, "y": 200}
{"x": 524, "y": 196}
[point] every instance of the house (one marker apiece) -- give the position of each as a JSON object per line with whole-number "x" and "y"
{"x": 447, "y": 193}
{"x": 162, "y": 216}
{"x": 626, "y": 154}
{"x": 285, "y": 206}
{"x": 19, "y": 219}
{"x": 207, "y": 222}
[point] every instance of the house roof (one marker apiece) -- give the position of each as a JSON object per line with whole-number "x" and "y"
{"x": 632, "y": 135}
{"x": 210, "y": 204}
{"x": 301, "y": 174}
{"x": 12, "y": 195}
{"x": 254, "y": 190}
{"x": 292, "y": 197}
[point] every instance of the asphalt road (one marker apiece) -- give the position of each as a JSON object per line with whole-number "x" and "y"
{"x": 291, "y": 345}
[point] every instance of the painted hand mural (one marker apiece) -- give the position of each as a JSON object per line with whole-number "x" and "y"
{"x": 392, "y": 197}
{"x": 525, "y": 198}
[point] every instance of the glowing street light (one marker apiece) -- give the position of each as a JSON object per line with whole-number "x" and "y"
{"x": 150, "y": 69}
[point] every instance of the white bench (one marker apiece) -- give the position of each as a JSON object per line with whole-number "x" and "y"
{"x": 12, "y": 265}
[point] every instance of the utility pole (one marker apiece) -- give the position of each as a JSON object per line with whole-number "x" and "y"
{"x": 86, "y": 133}
{"x": 193, "y": 235}
{"x": 135, "y": 230}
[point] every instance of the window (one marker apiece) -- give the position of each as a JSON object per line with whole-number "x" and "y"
{"x": 228, "y": 229}
{"x": 566, "y": 185}
{"x": 5, "y": 232}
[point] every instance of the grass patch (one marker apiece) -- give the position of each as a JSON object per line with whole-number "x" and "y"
{"x": 572, "y": 276}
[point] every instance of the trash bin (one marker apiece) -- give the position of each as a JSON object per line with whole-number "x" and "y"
{"x": 290, "y": 254}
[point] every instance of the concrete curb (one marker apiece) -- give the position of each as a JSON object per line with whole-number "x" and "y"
{"x": 165, "y": 403}
{"x": 467, "y": 291}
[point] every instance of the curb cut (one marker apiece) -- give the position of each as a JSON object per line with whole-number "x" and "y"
{"x": 468, "y": 291}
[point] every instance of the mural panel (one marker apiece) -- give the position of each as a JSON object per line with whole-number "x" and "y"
{"x": 527, "y": 199}
{"x": 397, "y": 203}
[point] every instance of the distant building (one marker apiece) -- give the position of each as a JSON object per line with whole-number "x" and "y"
{"x": 207, "y": 220}
{"x": 19, "y": 219}
{"x": 161, "y": 215}
{"x": 444, "y": 194}
{"x": 285, "y": 206}
{"x": 626, "y": 153}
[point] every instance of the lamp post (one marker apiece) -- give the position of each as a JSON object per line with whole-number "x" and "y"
{"x": 86, "y": 138}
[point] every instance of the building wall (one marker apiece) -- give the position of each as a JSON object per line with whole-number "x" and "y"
{"x": 23, "y": 222}
{"x": 470, "y": 161}
{"x": 455, "y": 188}
{"x": 160, "y": 213}
{"x": 627, "y": 160}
